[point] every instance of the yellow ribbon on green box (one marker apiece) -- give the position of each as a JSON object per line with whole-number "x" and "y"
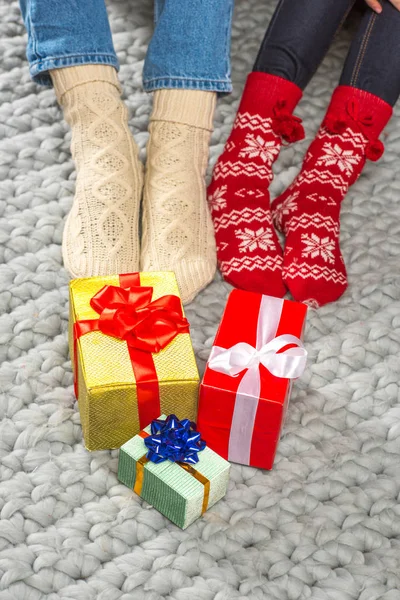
{"x": 180, "y": 491}
{"x": 140, "y": 473}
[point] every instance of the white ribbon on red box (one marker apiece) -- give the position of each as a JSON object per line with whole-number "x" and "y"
{"x": 288, "y": 364}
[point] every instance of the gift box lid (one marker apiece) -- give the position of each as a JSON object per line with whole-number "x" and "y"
{"x": 105, "y": 360}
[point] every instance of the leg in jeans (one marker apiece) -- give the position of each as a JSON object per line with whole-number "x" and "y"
{"x": 373, "y": 62}
{"x": 70, "y": 45}
{"x": 66, "y": 34}
{"x": 308, "y": 212}
{"x": 190, "y": 47}
{"x": 187, "y": 63}
{"x": 299, "y": 36}
{"x": 297, "y": 39}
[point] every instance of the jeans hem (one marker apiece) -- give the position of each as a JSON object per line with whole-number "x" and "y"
{"x": 183, "y": 83}
{"x": 39, "y": 69}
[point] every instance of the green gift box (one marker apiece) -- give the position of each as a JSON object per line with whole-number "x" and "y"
{"x": 179, "y": 491}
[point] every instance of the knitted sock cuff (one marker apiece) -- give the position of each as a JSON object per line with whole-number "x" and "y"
{"x": 188, "y": 107}
{"x": 371, "y": 112}
{"x": 67, "y": 78}
{"x": 262, "y": 91}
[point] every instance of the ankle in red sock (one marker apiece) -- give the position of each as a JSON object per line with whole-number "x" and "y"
{"x": 308, "y": 213}
{"x": 249, "y": 253}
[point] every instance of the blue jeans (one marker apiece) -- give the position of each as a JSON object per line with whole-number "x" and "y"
{"x": 301, "y": 32}
{"x": 190, "y": 47}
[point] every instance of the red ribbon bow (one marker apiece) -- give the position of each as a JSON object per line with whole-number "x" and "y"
{"x": 353, "y": 110}
{"x": 339, "y": 122}
{"x": 129, "y": 314}
{"x": 286, "y": 124}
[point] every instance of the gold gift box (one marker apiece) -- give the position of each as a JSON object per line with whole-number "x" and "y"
{"x": 107, "y": 394}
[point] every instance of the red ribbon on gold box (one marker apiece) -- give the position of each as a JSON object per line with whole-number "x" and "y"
{"x": 132, "y": 355}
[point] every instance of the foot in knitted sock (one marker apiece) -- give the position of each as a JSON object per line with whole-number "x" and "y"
{"x": 248, "y": 249}
{"x": 101, "y": 232}
{"x": 177, "y": 228}
{"x": 308, "y": 212}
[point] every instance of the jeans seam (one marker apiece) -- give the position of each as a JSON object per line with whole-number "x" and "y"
{"x": 362, "y": 51}
{"x": 32, "y": 29}
{"x": 227, "y": 40}
{"x": 346, "y": 14}
{"x": 68, "y": 56}
{"x": 188, "y": 79}
{"x": 220, "y": 87}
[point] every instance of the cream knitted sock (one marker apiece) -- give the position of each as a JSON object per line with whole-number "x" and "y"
{"x": 101, "y": 231}
{"x": 178, "y": 233}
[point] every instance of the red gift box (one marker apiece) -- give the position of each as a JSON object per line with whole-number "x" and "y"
{"x": 247, "y": 382}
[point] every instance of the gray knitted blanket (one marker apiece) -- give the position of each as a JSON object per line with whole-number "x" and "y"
{"x": 325, "y": 523}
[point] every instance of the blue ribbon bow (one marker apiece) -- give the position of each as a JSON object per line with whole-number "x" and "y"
{"x": 174, "y": 440}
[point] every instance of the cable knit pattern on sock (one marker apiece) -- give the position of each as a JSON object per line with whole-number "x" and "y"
{"x": 249, "y": 253}
{"x": 177, "y": 229}
{"x": 308, "y": 212}
{"x": 101, "y": 232}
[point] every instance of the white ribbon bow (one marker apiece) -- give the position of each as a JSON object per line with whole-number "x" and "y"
{"x": 288, "y": 364}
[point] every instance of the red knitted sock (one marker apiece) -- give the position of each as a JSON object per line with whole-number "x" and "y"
{"x": 308, "y": 212}
{"x": 249, "y": 253}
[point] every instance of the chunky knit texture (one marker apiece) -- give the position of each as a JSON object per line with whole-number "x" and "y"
{"x": 249, "y": 253}
{"x": 101, "y": 231}
{"x": 308, "y": 211}
{"x": 324, "y": 523}
{"x": 177, "y": 228}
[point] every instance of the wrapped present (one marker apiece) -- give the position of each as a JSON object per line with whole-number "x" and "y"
{"x": 131, "y": 353}
{"x": 247, "y": 382}
{"x": 169, "y": 466}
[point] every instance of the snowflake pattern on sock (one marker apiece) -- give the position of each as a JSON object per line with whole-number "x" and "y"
{"x": 335, "y": 155}
{"x": 217, "y": 200}
{"x": 240, "y": 182}
{"x": 308, "y": 213}
{"x": 315, "y": 246}
{"x": 248, "y": 249}
{"x": 250, "y": 240}
{"x": 257, "y": 146}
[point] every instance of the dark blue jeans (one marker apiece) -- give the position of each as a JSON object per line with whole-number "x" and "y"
{"x": 301, "y": 32}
